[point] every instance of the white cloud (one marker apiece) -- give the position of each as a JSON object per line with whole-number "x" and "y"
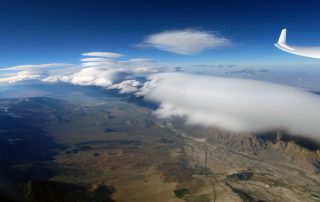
{"x": 127, "y": 86}
{"x": 33, "y": 67}
{"x": 90, "y": 77}
{"x": 20, "y": 76}
{"x": 145, "y": 70}
{"x": 30, "y": 72}
{"x": 234, "y": 104}
{"x": 99, "y": 64}
{"x": 108, "y": 72}
{"x": 95, "y": 59}
{"x": 185, "y": 42}
{"x": 141, "y": 60}
{"x": 134, "y": 65}
{"x": 92, "y": 70}
{"x": 103, "y": 54}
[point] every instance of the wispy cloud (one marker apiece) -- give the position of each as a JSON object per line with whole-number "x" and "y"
{"x": 36, "y": 66}
{"x": 249, "y": 71}
{"x": 185, "y": 42}
{"x": 95, "y": 59}
{"x": 103, "y": 54}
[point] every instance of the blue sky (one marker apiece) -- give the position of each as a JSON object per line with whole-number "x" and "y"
{"x": 36, "y": 32}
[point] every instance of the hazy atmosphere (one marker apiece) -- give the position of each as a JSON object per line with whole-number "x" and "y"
{"x": 159, "y": 101}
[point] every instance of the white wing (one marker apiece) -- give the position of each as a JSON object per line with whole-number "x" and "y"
{"x": 312, "y": 52}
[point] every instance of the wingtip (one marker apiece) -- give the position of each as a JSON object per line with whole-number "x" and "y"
{"x": 283, "y": 36}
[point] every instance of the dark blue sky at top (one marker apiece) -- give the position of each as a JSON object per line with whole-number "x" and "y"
{"x": 47, "y": 31}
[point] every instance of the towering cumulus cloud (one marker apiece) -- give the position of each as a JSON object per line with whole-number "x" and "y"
{"x": 234, "y": 104}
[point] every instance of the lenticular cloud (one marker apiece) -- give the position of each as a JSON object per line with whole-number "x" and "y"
{"x": 185, "y": 42}
{"x": 234, "y": 104}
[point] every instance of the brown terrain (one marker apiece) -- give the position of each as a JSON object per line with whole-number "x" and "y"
{"x": 112, "y": 150}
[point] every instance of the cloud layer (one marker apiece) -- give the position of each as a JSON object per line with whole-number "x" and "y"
{"x": 229, "y": 103}
{"x": 97, "y": 68}
{"x": 234, "y": 104}
{"x": 185, "y": 42}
